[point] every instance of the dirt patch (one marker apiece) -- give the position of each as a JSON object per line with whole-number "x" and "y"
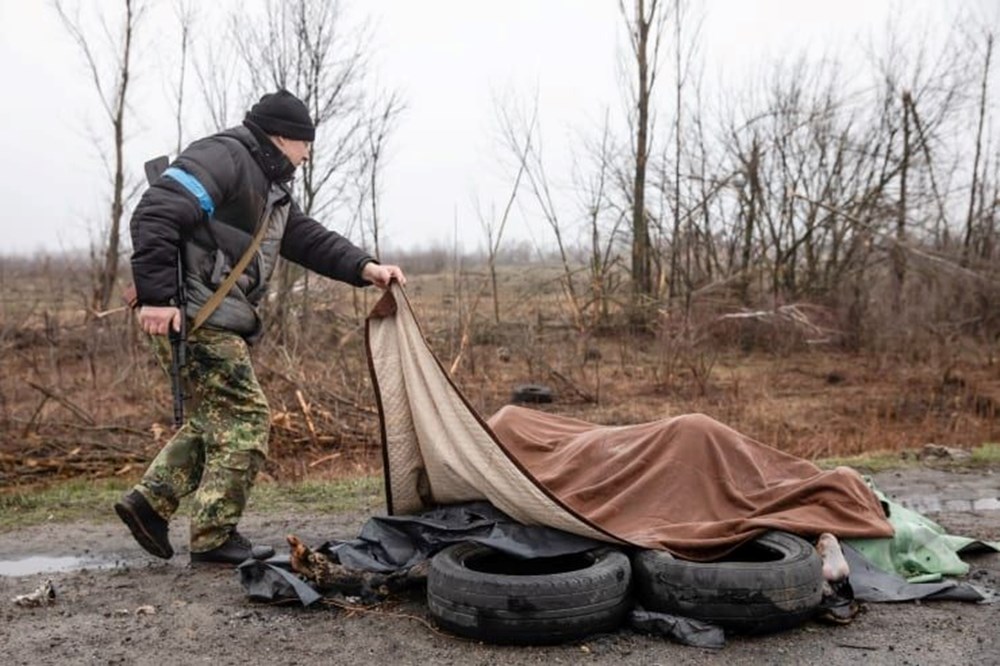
{"x": 201, "y": 615}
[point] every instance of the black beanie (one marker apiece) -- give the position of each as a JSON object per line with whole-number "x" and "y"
{"x": 283, "y": 114}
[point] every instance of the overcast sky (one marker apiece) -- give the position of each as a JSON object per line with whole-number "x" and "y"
{"x": 450, "y": 59}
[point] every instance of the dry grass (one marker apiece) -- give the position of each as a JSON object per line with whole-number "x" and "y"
{"x": 83, "y": 398}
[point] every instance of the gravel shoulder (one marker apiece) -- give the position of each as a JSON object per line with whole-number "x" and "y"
{"x": 139, "y": 610}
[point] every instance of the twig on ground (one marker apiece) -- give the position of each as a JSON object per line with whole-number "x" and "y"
{"x": 571, "y": 384}
{"x": 128, "y": 430}
{"x": 65, "y": 402}
{"x": 308, "y": 416}
{"x": 323, "y": 392}
{"x": 320, "y": 461}
{"x": 792, "y": 314}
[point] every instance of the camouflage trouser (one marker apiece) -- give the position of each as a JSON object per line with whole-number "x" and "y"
{"x": 222, "y": 444}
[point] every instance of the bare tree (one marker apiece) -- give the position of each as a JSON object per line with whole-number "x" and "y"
{"x": 521, "y": 138}
{"x": 683, "y": 56}
{"x": 898, "y": 257}
{"x": 645, "y": 25}
{"x": 603, "y": 232}
{"x": 380, "y": 123}
{"x": 112, "y": 88}
{"x": 495, "y": 227}
{"x": 974, "y": 187}
{"x": 307, "y": 47}
{"x": 223, "y": 80}
{"x": 186, "y": 13}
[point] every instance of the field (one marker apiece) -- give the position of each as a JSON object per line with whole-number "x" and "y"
{"x": 82, "y": 396}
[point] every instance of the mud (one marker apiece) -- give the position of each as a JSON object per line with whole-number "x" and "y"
{"x": 125, "y": 607}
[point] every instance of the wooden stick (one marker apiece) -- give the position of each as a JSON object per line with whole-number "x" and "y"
{"x": 305, "y": 413}
{"x": 65, "y": 402}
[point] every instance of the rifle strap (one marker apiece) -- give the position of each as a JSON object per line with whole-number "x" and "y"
{"x": 206, "y": 310}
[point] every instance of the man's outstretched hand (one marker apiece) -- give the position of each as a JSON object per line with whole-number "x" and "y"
{"x": 381, "y": 275}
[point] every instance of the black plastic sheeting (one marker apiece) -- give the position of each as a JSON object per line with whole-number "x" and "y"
{"x": 388, "y": 544}
{"x": 875, "y": 585}
{"x": 684, "y": 630}
{"x": 273, "y": 580}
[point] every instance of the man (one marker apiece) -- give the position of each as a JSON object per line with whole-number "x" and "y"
{"x": 207, "y": 206}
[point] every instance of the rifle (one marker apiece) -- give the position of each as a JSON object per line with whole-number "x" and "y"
{"x": 178, "y": 348}
{"x": 178, "y": 339}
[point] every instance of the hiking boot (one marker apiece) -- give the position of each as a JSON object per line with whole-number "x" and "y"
{"x": 148, "y": 528}
{"x": 235, "y": 550}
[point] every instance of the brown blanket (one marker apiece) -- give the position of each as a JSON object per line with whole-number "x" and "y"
{"x": 687, "y": 484}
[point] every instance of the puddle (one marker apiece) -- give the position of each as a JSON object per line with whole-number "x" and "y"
{"x": 37, "y": 564}
{"x": 930, "y": 504}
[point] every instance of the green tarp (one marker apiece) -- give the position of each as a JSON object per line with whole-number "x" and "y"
{"x": 920, "y": 550}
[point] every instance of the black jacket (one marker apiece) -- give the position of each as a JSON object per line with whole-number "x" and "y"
{"x": 244, "y": 176}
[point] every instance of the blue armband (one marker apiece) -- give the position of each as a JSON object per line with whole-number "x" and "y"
{"x": 194, "y": 186}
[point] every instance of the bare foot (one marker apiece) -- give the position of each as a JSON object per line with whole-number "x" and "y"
{"x": 834, "y": 565}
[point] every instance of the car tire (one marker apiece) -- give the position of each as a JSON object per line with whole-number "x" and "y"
{"x": 772, "y": 583}
{"x": 478, "y": 592}
{"x": 531, "y": 393}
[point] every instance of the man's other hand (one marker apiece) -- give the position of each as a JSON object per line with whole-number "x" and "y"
{"x": 381, "y": 275}
{"x": 158, "y": 319}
